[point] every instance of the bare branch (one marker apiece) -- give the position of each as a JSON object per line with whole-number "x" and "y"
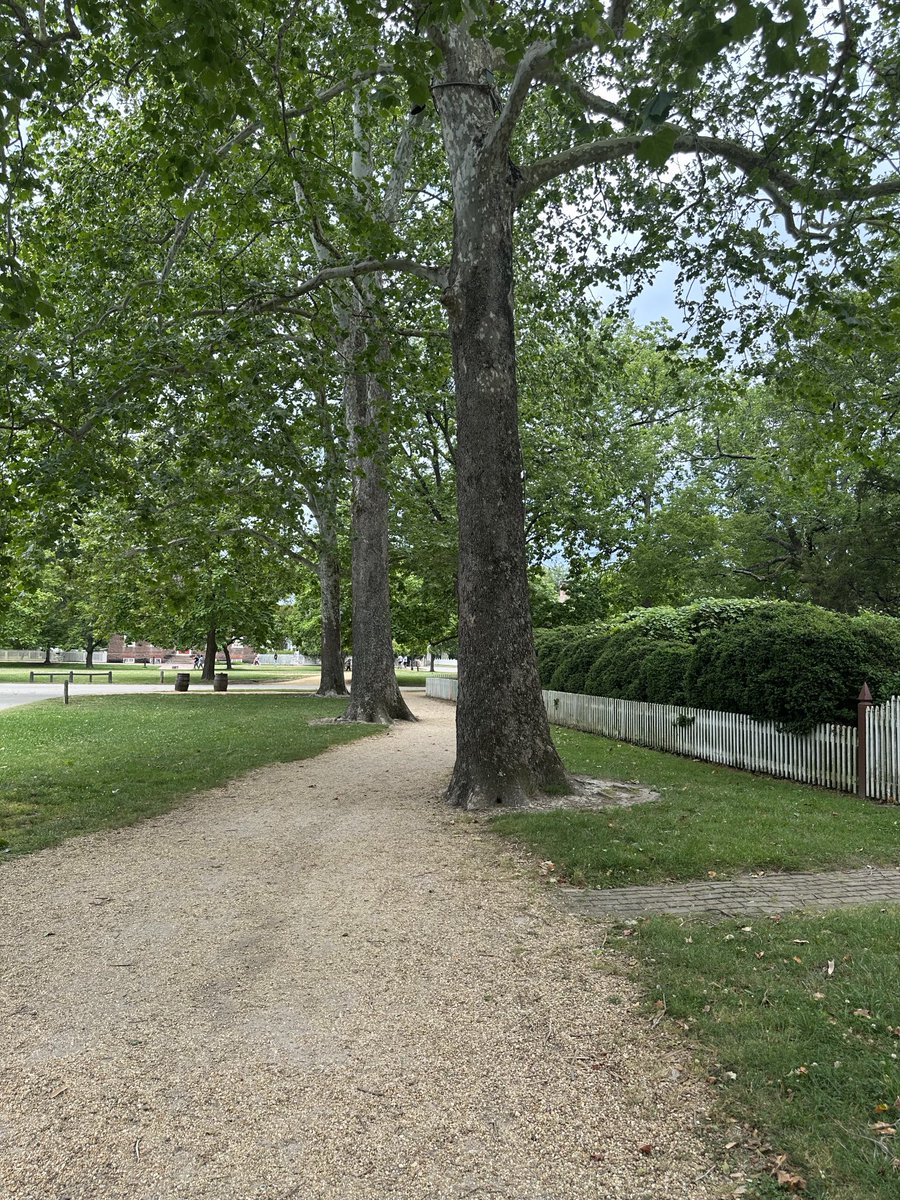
{"x": 403, "y": 156}
{"x": 537, "y": 60}
{"x": 587, "y": 154}
{"x": 369, "y": 266}
{"x": 776, "y": 180}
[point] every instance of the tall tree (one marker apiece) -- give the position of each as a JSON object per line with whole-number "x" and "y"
{"x": 746, "y": 145}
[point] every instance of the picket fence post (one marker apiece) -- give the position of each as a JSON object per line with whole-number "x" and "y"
{"x": 863, "y": 704}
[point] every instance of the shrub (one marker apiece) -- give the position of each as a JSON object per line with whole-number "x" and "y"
{"x": 795, "y": 664}
{"x": 664, "y": 672}
{"x": 575, "y": 661}
{"x": 550, "y": 645}
{"x": 663, "y": 622}
{"x": 792, "y": 663}
{"x": 618, "y": 668}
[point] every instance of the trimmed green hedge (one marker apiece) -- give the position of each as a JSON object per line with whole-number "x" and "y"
{"x": 795, "y": 664}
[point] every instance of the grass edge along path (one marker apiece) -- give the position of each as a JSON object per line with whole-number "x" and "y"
{"x": 797, "y": 1019}
{"x": 711, "y": 822}
{"x": 134, "y": 673}
{"x": 109, "y": 761}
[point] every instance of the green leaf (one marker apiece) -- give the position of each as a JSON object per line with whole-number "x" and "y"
{"x": 657, "y": 149}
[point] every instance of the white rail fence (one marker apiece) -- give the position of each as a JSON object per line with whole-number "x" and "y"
{"x": 826, "y": 756}
{"x": 56, "y": 656}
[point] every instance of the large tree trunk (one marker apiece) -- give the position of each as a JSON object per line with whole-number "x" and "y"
{"x": 209, "y": 658}
{"x": 374, "y": 694}
{"x": 505, "y": 753}
{"x": 89, "y": 651}
{"x": 227, "y": 652}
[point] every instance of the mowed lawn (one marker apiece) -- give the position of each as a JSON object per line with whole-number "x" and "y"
{"x": 111, "y": 760}
{"x": 136, "y": 673}
{"x": 711, "y": 821}
{"x": 796, "y": 1017}
{"x": 798, "y": 1020}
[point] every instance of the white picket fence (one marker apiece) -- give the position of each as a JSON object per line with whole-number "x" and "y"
{"x": 826, "y": 756}
{"x": 883, "y": 744}
{"x": 441, "y": 688}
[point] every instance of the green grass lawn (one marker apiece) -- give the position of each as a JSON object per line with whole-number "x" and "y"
{"x": 107, "y": 761}
{"x": 417, "y": 678}
{"x": 135, "y": 673}
{"x": 710, "y": 819}
{"x": 799, "y": 1020}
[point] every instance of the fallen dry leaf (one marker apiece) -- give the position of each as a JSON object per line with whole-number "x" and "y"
{"x": 793, "y": 1183}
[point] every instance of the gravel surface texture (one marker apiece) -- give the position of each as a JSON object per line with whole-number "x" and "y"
{"x": 319, "y": 982}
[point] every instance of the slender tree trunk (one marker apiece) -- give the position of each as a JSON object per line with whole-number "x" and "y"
{"x": 89, "y": 651}
{"x": 47, "y": 650}
{"x": 227, "y": 652}
{"x": 374, "y": 694}
{"x": 209, "y": 658}
{"x": 505, "y": 753}
{"x": 323, "y": 501}
{"x": 331, "y": 680}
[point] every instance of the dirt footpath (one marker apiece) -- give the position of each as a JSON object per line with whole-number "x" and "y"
{"x": 319, "y": 982}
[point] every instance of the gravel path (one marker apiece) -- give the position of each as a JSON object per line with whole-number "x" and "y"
{"x": 319, "y": 982}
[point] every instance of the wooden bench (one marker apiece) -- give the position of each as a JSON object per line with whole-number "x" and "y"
{"x": 70, "y": 675}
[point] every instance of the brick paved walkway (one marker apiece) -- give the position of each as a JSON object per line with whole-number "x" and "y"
{"x": 745, "y": 894}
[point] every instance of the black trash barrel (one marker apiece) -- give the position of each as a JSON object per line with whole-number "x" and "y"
{"x": 182, "y": 680}
{"x": 220, "y": 683}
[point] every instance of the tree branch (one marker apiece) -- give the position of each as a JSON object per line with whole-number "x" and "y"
{"x": 537, "y": 60}
{"x": 751, "y": 162}
{"x": 589, "y": 100}
{"x": 252, "y": 127}
{"x": 369, "y": 266}
{"x": 587, "y": 154}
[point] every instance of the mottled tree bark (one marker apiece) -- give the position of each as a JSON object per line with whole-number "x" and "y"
{"x": 89, "y": 651}
{"x": 227, "y": 652}
{"x": 505, "y": 753}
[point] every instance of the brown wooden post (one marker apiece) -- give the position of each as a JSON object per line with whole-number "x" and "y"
{"x": 863, "y": 704}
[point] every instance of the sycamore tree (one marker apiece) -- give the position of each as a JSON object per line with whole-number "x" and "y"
{"x": 753, "y": 145}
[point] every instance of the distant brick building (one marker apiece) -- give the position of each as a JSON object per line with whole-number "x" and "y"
{"x": 119, "y": 651}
